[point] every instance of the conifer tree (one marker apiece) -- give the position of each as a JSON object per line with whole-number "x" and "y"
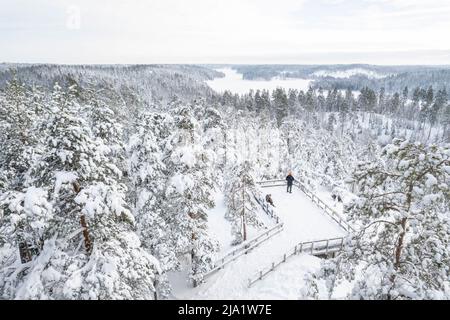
{"x": 189, "y": 194}
{"x": 242, "y": 207}
{"x": 148, "y": 175}
{"x": 401, "y": 250}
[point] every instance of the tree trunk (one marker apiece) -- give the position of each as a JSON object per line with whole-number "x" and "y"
{"x": 399, "y": 246}
{"x": 194, "y": 272}
{"x": 87, "y": 239}
{"x": 24, "y": 251}
{"x": 244, "y": 226}
{"x": 398, "y": 253}
{"x": 244, "y": 229}
{"x": 401, "y": 238}
{"x": 86, "y": 236}
{"x": 429, "y": 133}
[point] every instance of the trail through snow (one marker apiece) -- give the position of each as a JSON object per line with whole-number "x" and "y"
{"x": 303, "y": 221}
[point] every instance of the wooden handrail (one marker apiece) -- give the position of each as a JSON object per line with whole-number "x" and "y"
{"x": 328, "y": 210}
{"x": 311, "y": 246}
{"x": 238, "y": 253}
{"x": 314, "y": 247}
{"x": 269, "y": 211}
{"x": 248, "y": 245}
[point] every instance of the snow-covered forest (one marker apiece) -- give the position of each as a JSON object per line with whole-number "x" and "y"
{"x": 110, "y": 177}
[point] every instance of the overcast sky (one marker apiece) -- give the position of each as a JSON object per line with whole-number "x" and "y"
{"x": 225, "y": 31}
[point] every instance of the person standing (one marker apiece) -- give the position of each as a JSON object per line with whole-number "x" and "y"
{"x": 290, "y": 181}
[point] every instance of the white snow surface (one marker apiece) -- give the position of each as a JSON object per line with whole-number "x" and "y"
{"x": 181, "y": 182}
{"x": 219, "y": 227}
{"x": 234, "y": 82}
{"x": 303, "y": 221}
{"x": 63, "y": 177}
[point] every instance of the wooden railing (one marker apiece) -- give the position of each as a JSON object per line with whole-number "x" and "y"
{"x": 268, "y": 209}
{"x": 249, "y": 245}
{"x": 328, "y": 210}
{"x": 244, "y": 248}
{"x": 321, "y": 204}
{"x": 317, "y": 248}
{"x": 324, "y": 247}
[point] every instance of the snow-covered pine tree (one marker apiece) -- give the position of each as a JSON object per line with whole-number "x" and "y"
{"x": 107, "y": 127}
{"x": 272, "y": 158}
{"x": 290, "y": 130}
{"x": 16, "y": 125}
{"x": 331, "y": 122}
{"x": 71, "y": 161}
{"x": 281, "y": 104}
{"x": 88, "y": 200}
{"x": 19, "y": 119}
{"x": 310, "y": 289}
{"x": 401, "y": 250}
{"x": 189, "y": 194}
{"x": 445, "y": 120}
{"x": 118, "y": 266}
{"x": 24, "y": 218}
{"x": 213, "y": 134}
{"x": 148, "y": 180}
{"x": 242, "y": 207}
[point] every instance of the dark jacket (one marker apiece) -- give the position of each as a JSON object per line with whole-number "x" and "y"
{"x": 290, "y": 180}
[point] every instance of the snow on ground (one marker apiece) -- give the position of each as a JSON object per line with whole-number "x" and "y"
{"x": 219, "y": 227}
{"x": 303, "y": 221}
{"x": 325, "y": 195}
{"x": 287, "y": 281}
{"x": 234, "y": 82}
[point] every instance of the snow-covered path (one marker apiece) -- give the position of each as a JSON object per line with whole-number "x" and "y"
{"x": 303, "y": 221}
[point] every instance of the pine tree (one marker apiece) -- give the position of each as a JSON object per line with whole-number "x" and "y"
{"x": 19, "y": 119}
{"x": 107, "y": 127}
{"x": 401, "y": 250}
{"x": 242, "y": 207}
{"x": 292, "y": 101}
{"x": 281, "y": 104}
{"x": 189, "y": 194}
{"x": 148, "y": 176}
{"x": 213, "y": 136}
{"x": 345, "y": 108}
{"x": 439, "y": 102}
{"x": 445, "y": 116}
{"x": 331, "y": 122}
{"x": 24, "y": 219}
{"x": 16, "y": 118}
{"x": 90, "y": 211}
{"x": 310, "y": 101}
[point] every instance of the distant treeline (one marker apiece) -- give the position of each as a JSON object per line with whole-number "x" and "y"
{"x": 393, "y": 78}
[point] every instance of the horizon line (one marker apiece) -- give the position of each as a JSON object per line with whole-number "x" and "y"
{"x": 224, "y": 64}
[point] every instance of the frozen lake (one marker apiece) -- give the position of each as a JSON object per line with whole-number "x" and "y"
{"x": 234, "y": 82}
